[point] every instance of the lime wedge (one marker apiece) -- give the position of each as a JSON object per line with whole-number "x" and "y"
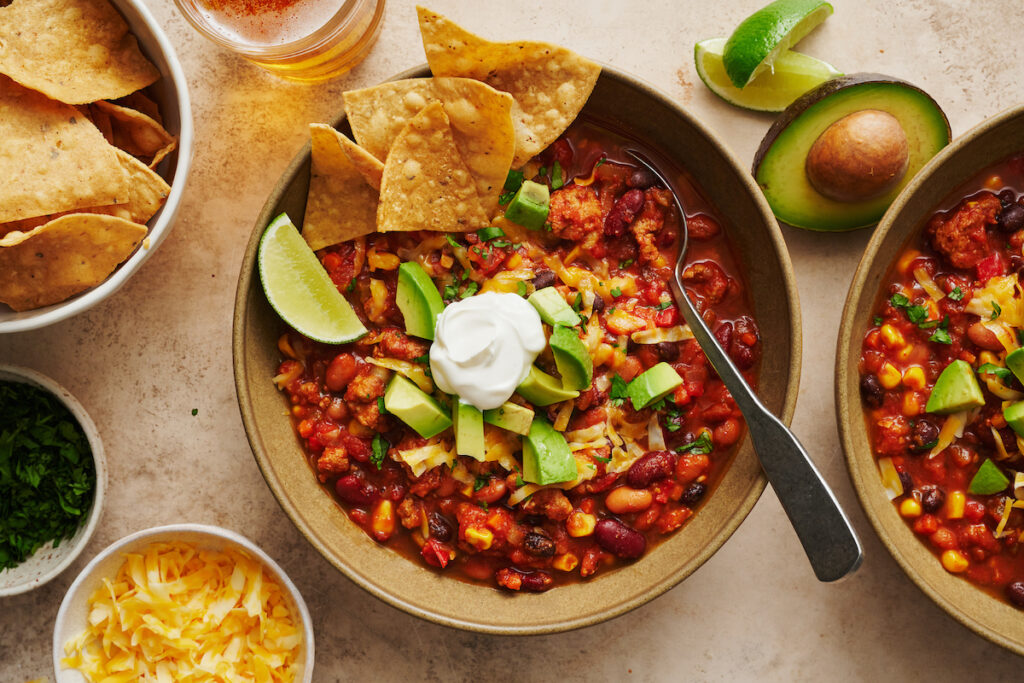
{"x": 300, "y": 290}
{"x": 767, "y": 33}
{"x": 793, "y": 75}
{"x": 988, "y": 480}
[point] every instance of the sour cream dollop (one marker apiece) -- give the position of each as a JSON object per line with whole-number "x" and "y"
{"x": 484, "y": 346}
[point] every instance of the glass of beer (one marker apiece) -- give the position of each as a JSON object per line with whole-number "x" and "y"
{"x": 302, "y": 40}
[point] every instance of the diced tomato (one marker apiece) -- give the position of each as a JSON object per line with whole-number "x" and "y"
{"x": 436, "y": 553}
{"x": 991, "y": 266}
{"x": 667, "y": 317}
{"x": 487, "y": 258}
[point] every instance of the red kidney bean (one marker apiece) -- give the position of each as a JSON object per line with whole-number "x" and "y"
{"x": 984, "y": 337}
{"x": 1015, "y": 593}
{"x": 623, "y": 212}
{"x": 538, "y": 581}
{"x": 650, "y": 468}
{"x": 355, "y": 490}
{"x": 619, "y": 539}
{"x": 491, "y": 492}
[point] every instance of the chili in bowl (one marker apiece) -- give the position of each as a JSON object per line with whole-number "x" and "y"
{"x": 927, "y": 392}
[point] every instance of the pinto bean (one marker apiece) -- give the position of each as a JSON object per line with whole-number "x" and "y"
{"x": 983, "y": 337}
{"x": 623, "y": 500}
{"x": 340, "y": 372}
{"x": 491, "y": 492}
{"x": 650, "y": 468}
{"x": 619, "y": 539}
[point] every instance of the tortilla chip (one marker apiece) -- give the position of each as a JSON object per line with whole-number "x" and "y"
{"x": 136, "y": 133}
{"x": 341, "y": 205}
{"x": 368, "y": 165}
{"x": 426, "y": 184}
{"x": 479, "y": 115}
{"x": 52, "y": 158}
{"x": 74, "y": 51}
{"x": 62, "y": 258}
{"x": 549, "y": 83}
{"x": 139, "y": 101}
{"x": 146, "y": 194}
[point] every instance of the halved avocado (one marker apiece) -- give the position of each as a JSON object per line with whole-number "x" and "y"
{"x": 780, "y": 162}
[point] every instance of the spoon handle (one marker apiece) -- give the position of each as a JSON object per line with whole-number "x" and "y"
{"x": 824, "y": 531}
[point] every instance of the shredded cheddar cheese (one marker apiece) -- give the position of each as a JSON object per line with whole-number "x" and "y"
{"x": 952, "y": 428}
{"x": 180, "y": 613}
{"x": 928, "y": 284}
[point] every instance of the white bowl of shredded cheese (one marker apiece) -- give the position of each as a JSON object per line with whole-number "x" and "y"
{"x": 185, "y": 602}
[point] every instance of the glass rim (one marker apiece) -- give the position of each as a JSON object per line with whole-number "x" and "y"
{"x": 341, "y": 21}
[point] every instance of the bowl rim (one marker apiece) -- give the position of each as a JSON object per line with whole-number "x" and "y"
{"x": 161, "y": 226}
{"x": 23, "y": 375}
{"x": 248, "y": 271}
{"x": 849, "y": 414}
{"x": 211, "y": 531}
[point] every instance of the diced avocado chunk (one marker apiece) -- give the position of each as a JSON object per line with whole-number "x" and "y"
{"x": 552, "y": 307}
{"x": 988, "y": 479}
{"x": 468, "y": 424}
{"x": 508, "y": 415}
{"x": 1014, "y": 416}
{"x": 571, "y": 357}
{"x": 419, "y": 410}
{"x": 546, "y": 456}
{"x": 653, "y": 385}
{"x": 1015, "y": 362}
{"x": 956, "y": 389}
{"x": 540, "y": 388}
{"x": 418, "y": 300}
{"x": 529, "y": 206}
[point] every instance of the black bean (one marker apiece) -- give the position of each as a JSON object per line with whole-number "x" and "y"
{"x": 932, "y": 498}
{"x": 1011, "y": 219}
{"x": 641, "y": 179}
{"x": 598, "y": 303}
{"x": 440, "y": 527}
{"x": 871, "y": 391}
{"x": 1007, "y": 197}
{"x": 539, "y": 544}
{"x": 668, "y": 351}
{"x": 1015, "y": 593}
{"x": 693, "y": 493}
{"x": 924, "y": 435}
{"x": 544, "y": 278}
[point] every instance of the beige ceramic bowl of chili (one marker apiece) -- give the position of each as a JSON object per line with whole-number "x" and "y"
{"x": 628, "y": 105}
{"x": 979, "y": 148}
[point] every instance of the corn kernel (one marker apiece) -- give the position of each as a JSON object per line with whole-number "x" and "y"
{"x": 480, "y": 539}
{"x": 580, "y": 524}
{"x": 954, "y": 561}
{"x": 955, "y": 503}
{"x": 914, "y": 378}
{"x": 513, "y": 261}
{"x": 565, "y": 563}
{"x": 907, "y": 258}
{"x": 994, "y": 183}
{"x": 383, "y": 521}
{"x": 910, "y": 508}
{"x": 906, "y": 352}
{"x": 889, "y": 376}
{"x": 381, "y": 260}
{"x": 892, "y": 337}
{"x": 911, "y": 403}
{"x": 989, "y": 357}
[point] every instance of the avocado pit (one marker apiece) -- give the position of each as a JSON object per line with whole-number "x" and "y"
{"x": 861, "y": 156}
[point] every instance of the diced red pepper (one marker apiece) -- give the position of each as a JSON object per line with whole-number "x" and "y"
{"x": 437, "y": 554}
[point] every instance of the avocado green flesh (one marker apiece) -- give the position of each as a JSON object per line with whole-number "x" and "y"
{"x": 781, "y": 172}
{"x": 418, "y": 300}
{"x": 541, "y": 389}
{"x": 956, "y": 389}
{"x": 572, "y": 358}
{"x": 419, "y": 410}
{"x": 468, "y": 424}
{"x": 1014, "y": 416}
{"x": 552, "y": 307}
{"x": 546, "y": 455}
{"x": 1015, "y": 362}
{"x": 653, "y": 385}
{"x": 514, "y": 418}
{"x": 988, "y": 479}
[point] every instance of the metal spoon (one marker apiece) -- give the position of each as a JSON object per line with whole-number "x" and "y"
{"x": 824, "y": 531}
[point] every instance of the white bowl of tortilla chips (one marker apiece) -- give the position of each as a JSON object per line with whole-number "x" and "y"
{"x": 97, "y": 129}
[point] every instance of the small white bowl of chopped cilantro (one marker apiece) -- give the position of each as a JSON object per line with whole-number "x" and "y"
{"x": 52, "y": 479}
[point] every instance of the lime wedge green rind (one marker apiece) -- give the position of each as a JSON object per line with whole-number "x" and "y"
{"x": 794, "y": 74}
{"x": 300, "y": 290}
{"x": 768, "y": 33}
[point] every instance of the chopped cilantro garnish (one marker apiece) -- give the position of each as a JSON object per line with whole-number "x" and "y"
{"x": 380, "y": 406}
{"x": 521, "y": 289}
{"x": 673, "y": 426}
{"x": 657, "y": 405}
{"x": 501, "y": 244}
{"x": 989, "y": 369}
{"x": 450, "y": 292}
{"x": 547, "y": 226}
{"x": 617, "y": 393}
{"x": 600, "y": 161}
{"x": 941, "y": 336}
{"x": 577, "y": 303}
{"x": 380, "y": 447}
{"x": 464, "y": 276}
{"x": 611, "y": 310}
{"x": 519, "y": 481}
{"x": 195, "y": 411}
{"x": 543, "y": 171}
{"x": 425, "y": 358}
{"x": 513, "y": 180}
{"x": 996, "y": 311}
{"x": 956, "y": 295}
{"x": 351, "y": 285}
{"x": 469, "y": 291}
{"x": 601, "y": 459}
{"x": 451, "y": 240}
{"x": 480, "y": 483}
{"x": 486, "y": 234}
{"x": 917, "y": 314}
{"x": 701, "y": 445}
{"x": 47, "y": 474}
{"x": 625, "y": 264}
{"x": 483, "y": 505}
{"x": 556, "y": 176}
{"x": 616, "y": 292}
{"x": 878, "y": 320}
{"x": 663, "y": 305}
{"x": 899, "y": 301}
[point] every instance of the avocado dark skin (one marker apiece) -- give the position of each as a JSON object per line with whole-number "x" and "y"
{"x": 779, "y": 164}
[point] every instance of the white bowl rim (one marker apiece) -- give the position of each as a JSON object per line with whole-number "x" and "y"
{"x": 17, "y": 373}
{"x": 31, "y": 320}
{"x": 209, "y": 530}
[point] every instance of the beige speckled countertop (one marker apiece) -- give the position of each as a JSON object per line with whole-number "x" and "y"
{"x": 142, "y": 360}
